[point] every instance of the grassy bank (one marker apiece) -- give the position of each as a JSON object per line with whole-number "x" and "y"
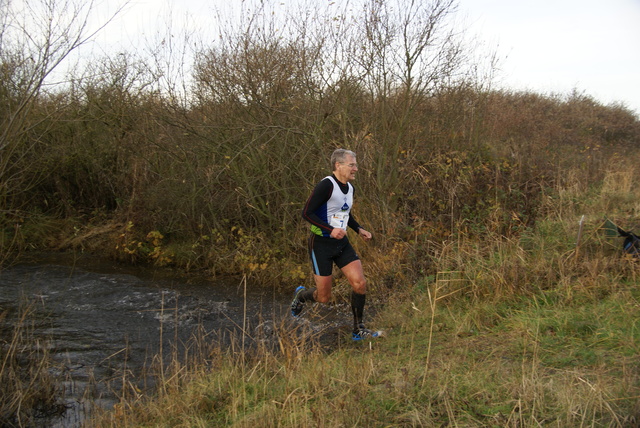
{"x": 516, "y": 332}
{"x": 544, "y": 360}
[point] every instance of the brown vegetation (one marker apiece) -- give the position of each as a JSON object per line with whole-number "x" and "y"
{"x": 455, "y": 179}
{"x": 214, "y": 177}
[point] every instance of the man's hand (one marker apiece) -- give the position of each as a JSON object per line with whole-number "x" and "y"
{"x": 338, "y": 233}
{"x": 364, "y": 234}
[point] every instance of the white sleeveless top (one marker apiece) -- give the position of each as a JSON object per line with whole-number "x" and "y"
{"x": 336, "y": 210}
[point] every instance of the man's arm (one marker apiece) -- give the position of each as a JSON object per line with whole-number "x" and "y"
{"x": 366, "y": 235}
{"x": 319, "y": 196}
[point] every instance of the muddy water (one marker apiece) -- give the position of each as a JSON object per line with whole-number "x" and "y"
{"x": 106, "y": 325}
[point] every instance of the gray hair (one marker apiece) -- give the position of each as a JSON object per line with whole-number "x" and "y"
{"x": 340, "y": 155}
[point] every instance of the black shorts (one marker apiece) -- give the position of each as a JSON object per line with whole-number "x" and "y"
{"x": 326, "y": 251}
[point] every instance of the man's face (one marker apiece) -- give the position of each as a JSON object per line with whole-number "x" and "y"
{"x": 348, "y": 168}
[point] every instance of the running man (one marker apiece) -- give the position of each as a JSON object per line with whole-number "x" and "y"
{"x": 328, "y": 209}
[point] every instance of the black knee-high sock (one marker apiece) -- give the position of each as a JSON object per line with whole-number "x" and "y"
{"x": 357, "y": 306}
{"x": 307, "y": 295}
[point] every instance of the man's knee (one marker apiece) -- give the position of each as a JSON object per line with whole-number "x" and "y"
{"x": 359, "y": 286}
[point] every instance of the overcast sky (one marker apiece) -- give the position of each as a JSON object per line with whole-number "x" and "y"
{"x": 558, "y": 45}
{"x": 545, "y": 46}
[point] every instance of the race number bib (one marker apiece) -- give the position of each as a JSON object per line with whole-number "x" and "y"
{"x": 339, "y": 220}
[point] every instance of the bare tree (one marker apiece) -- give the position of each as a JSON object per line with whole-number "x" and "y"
{"x": 36, "y": 37}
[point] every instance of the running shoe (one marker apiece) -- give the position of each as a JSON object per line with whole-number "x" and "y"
{"x": 296, "y": 304}
{"x": 362, "y": 333}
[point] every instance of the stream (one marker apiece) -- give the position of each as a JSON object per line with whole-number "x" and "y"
{"x": 105, "y": 325}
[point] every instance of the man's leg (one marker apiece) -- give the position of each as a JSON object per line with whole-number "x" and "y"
{"x": 322, "y": 264}
{"x": 320, "y": 293}
{"x": 355, "y": 275}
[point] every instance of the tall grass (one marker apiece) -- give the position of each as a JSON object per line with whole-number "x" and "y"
{"x": 509, "y": 332}
{"x": 513, "y": 371}
{"x": 29, "y": 391}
